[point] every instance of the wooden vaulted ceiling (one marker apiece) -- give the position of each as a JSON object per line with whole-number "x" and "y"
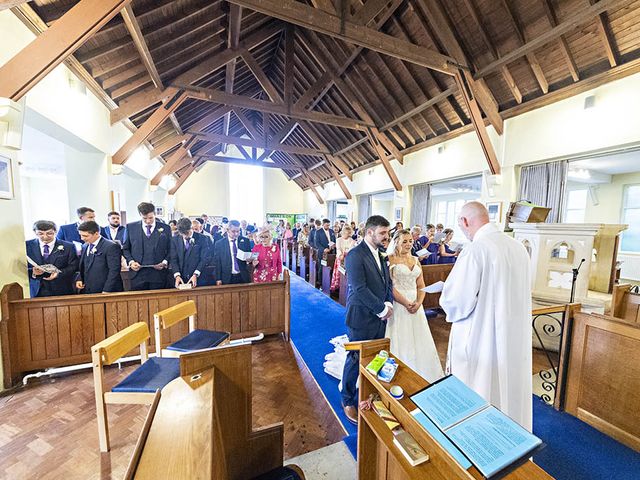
{"x": 252, "y": 69}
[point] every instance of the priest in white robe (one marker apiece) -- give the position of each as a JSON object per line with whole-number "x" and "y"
{"x": 487, "y": 298}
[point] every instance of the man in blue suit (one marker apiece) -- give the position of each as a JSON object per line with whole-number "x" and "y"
{"x": 189, "y": 252}
{"x": 325, "y": 239}
{"x": 99, "y": 262}
{"x": 69, "y": 232}
{"x": 229, "y": 269}
{"x": 46, "y": 250}
{"x": 369, "y": 302}
{"x": 146, "y": 250}
{"x": 114, "y": 231}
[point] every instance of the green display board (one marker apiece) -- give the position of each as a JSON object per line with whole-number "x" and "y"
{"x": 291, "y": 218}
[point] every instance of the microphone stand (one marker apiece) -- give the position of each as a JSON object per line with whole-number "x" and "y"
{"x": 575, "y": 278}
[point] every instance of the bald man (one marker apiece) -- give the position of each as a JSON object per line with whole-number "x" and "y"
{"x": 487, "y": 298}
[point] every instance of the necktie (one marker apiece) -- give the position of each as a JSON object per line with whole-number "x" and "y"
{"x": 45, "y": 254}
{"x": 235, "y": 257}
{"x": 148, "y": 231}
{"x": 187, "y": 244}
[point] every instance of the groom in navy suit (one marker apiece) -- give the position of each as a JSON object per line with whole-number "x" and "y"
{"x": 146, "y": 250}
{"x": 99, "y": 262}
{"x": 47, "y": 250}
{"x": 369, "y": 302}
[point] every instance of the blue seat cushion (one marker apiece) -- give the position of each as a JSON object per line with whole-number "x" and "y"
{"x": 152, "y": 375}
{"x": 197, "y": 340}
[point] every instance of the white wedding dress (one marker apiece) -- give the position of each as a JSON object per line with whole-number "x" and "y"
{"x": 411, "y": 339}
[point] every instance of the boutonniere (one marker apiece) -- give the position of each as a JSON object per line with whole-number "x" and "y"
{"x": 192, "y": 241}
{"x": 60, "y": 247}
{"x": 161, "y": 230}
{"x": 384, "y": 254}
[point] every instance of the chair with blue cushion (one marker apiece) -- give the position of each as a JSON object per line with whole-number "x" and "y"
{"x": 196, "y": 339}
{"x": 142, "y": 386}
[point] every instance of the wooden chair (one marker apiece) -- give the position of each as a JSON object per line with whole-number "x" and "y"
{"x": 142, "y": 386}
{"x": 195, "y": 340}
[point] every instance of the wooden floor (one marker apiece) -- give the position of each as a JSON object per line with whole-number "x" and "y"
{"x": 48, "y": 430}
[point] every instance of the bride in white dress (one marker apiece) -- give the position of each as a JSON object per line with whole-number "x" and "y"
{"x": 408, "y": 329}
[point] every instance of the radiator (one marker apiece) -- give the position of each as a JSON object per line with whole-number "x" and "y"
{"x": 630, "y": 269}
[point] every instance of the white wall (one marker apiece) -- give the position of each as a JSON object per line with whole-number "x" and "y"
{"x": 206, "y": 191}
{"x": 280, "y": 194}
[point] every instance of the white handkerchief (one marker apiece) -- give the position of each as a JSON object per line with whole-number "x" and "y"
{"x": 434, "y": 287}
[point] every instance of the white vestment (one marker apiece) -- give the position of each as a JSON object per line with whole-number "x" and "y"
{"x": 487, "y": 298}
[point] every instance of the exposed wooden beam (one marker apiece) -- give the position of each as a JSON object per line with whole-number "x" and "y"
{"x": 478, "y": 123}
{"x": 577, "y": 19}
{"x": 330, "y": 160}
{"x": 233, "y": 38}
{"x": 368, "y": 11}
{"x": 175, "y": 158}
{"x": 313, "y": 188}
{"x": 248, "y": 124}
{"x": 262, "y": 78}
{"x": 289, "y": 63}
{"x": 239, "y": 161}
{"x": 210, "y": 118}
{"x": 385, "y": 162}
{"x": 562, "y": 41}
{"x": 167, "y": 145}
{"x": 336, "y": 175}
{"x": 432, "y": 101}
{"x": 282, "y": 134}
{"x": 324, "y": 5}
{"x": 54, "y": 45}
{"x": 239, "y": 141}
{"x": 131, "y": 22}
{"x": 183, "y": 177}
{"x": 314, "y": 19}
{"x": 147, "y": 128}
{"x": 223, "y": 98}
{"x": 139, "y": 102}
{"x": 606, "y": 37}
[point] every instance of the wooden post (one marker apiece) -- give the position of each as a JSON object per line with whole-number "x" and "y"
{"x": 8, "y": 337}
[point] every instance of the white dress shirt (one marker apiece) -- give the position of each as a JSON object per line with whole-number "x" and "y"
{"x": 144, "y": 227}
{"x": 376, "y": 257}
{"x": 114, "y": 231}
{"x": 51, "y": 244}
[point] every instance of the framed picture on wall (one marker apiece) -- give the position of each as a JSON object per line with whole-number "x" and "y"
{"x": 160, "y": 211}
{"x": 495, "y": 211}
{"x": 6, "y": 178}
{"x": 398, "y": 214}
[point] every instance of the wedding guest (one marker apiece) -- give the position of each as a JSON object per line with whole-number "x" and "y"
{"x": 303, "y": 239}
{"x": 173, "y": 225}
{"x": 69, "y": 232}
{"x": 325, "y": 239}
{"x": 408, "y": 330}
{"x": 208, "y": 244}
{"x": 268, "y": 267}
{"x": 439, "y": 235}
{"x": 343, "y": 245}
{"x": 417, "y": 243}
{"x": 47, "y": 250}
{"x": 206, "y": 226}
{"x": 114, "y": 231}
{"x": 216, "y": 233}
{"x": 355, "y": 230}
{"x": 251, "y": 235}
{"x": 337, "y": 228}
{"x": 188, "y": 254}
{"x": 229, "y": 269}
{"x": 398, "y": 226}
{"x": 288, "y": 234}
{"x": 446, "y": 254}
{"x": 280, "y": 229}
{"x": 99, "y": 262}
{"x": 146, "y": 250}
{"x": 296, "y": 230}
{"x": 243, "y": 228}
{"x": 431, "y": 245}
{"x": 312, "y": 233}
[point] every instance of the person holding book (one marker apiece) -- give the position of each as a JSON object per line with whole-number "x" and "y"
{"x": 487, "y": 299}
{"x": 268, "y": 266}
{"x": 229, "y": 269}
{"x": 446, "y": 254}
{"x": 343, "y": 245}
{"x": 408, "y": 330}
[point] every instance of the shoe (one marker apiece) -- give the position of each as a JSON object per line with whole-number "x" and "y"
{"x": 351, "y": 413}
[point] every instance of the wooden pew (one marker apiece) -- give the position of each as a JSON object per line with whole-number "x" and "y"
{"x": 294, "y": 257}
{"x": 304, "y": 263}
{"x": 379, "y": 458}
{"x": 603, "y": 376}
{"x": 344, "y": 287}
{"x": 432, "y": 274}
{"x": 327, "y": 264}
{"x": 625, "y": 304}
{"x": 313, "y": 268}
{"x": 49, "y": 332}
{"x": 202, "y": 426}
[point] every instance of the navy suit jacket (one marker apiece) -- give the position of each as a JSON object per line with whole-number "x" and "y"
{"x": 134, "y": 244}
{"x": 64, "y": 258}
{"x": 321, "y": 242}
{"x": 222, "y": 259}
{"x": 69, "y": 233}
{"x": 312, "y": 237}
{"x": 121, "y": 234}
{"x": 186, "y": 262}
{"x": 369, "y": 288}
{"x": 100, "y": 271}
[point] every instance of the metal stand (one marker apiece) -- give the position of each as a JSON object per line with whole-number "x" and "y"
{"x": 574, "y": 280}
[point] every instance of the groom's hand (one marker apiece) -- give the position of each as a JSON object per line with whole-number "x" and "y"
{"x": 389, "y": 314}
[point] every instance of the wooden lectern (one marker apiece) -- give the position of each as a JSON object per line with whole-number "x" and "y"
{"x": 379, "y": 458}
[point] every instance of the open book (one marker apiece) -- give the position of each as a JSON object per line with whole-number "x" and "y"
{"x": 247, "y": 256}
{"x": 434, "y": 287}
{"x": 488, "y": 438}
{"x": 47, "y": 267}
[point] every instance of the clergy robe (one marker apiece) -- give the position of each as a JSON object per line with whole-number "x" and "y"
{"x": 487, "y": 298}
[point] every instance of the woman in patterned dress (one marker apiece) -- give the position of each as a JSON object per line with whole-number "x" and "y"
{"x": 268, "y": 266}
{"x": 343, "y": 244}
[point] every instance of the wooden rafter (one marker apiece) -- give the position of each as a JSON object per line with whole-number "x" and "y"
{"x": 262, "y": 77}
{"x": 314, "y": 19}
{"x": 183, "y": 177}
{"x": 167, "y": 145}
{"x": 54, "y": 45}
{"x": 385, "y": 162}
{"x": 368, "y": 11}
{"x": 233, "y": 39}
{"x": 239, "y": 141}
{"x": 248, "y": 124}
{"x": 289, "y": 63}
{"x": 562, "y": 41}
{"x": 239, "y": 161}
{"x": 174, "y": 159}
{"x": 606, "y": 37}
{"x": 223, "y": 98}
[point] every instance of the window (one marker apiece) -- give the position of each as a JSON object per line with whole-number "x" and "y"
{"x": 447, "y": 212}
{"x": 576, "y": 205}
{"x": 631, "y": 217}
{"x": 246, "y": 200}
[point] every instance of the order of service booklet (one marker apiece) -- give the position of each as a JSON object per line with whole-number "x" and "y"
{"x": 488, "y": 438}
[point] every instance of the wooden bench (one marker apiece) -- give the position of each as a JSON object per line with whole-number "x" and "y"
{"x": 40, "y": 333}
{"x": 202, "y": 426}
{"x": 327, "y": 263}
{"x": 625, "y": 303}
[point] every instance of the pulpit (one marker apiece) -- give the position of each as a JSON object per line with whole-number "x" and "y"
{"x": 328, "y": 261}
{"x": 603, "y": 271}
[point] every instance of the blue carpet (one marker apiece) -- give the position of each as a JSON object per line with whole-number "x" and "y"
{"x": 316, "y": 319}
{"x": 574, "y": 451}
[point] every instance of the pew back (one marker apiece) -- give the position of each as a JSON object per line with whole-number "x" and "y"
{"x": 59, "y": 331}
{"x": 172, "y": 315}
{"x": 625, "y": 304}
{"x": 433, "y": 274}
{"x": 118, "y": 345}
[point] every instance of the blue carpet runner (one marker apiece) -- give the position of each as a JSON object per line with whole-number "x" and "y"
{"x": 574, "y": 451}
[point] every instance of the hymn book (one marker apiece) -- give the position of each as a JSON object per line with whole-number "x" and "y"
{"x": 488, "y": 438}
{"x": 247, "y": 256}
{"x": 47, "y": 268}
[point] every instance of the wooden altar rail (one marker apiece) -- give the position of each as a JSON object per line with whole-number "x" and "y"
{"x": 625, "y": 304}
{"x": 49, "y": 332}
{"x": 603, "y": 376}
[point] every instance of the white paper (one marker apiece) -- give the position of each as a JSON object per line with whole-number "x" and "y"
{"x": 185, "y": 286}
{"x": 247, "y": 256}
{"x": 423, "y": 253}
{"x": 434, "y": 287}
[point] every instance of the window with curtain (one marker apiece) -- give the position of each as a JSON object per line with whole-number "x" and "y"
{"x": 631, "y": 216}
{"x": 364, "y": 207}
{"x": 420, "y": 201}
{"x": 545, "y": 185}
